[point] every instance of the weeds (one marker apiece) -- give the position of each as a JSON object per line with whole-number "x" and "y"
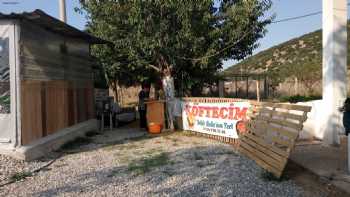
{"x": 20, "y": 176}
{"x": 147, "y": 164}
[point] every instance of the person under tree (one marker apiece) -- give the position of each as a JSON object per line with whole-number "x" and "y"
{"x": 142, "y": 107}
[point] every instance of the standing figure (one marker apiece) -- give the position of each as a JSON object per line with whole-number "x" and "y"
{"x": 143, "y": 96}
{"x": 169, "y": 93}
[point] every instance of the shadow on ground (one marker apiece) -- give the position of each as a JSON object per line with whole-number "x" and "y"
{"x": 214, "y": 170}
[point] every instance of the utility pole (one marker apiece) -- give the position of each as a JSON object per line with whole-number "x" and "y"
{"x": 63, "y": 16}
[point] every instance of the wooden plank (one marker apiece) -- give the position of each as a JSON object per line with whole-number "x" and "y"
{"x": 283, "y": 131}
{"x": 260, "y": 141}
{"x": 71, "y": 106}
{"x": 56, "y": 105}
{"x": 266, "y": 150}
{"x": 280, "y": 141}
{"x": 31, "y": 112}
{"x": 261, "y": 163}
{"x": 259, "y": 153}
{"x": 81, "y": 105}
{"x": 284, "y": 123}
{"x": 270, "y": 137}
{"x": 288, "y": 106}
{"x": 43, "y": 108}
{"x": 287, "y": 115}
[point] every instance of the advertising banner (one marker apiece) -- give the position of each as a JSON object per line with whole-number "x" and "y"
{"x": 225, "y": 119}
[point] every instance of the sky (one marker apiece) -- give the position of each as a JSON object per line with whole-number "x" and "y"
{"x": 277, "y": 33}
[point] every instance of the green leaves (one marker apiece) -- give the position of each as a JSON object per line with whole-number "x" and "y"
{"x": 193, "y": 36}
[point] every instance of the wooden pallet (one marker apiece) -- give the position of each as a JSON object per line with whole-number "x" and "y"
{"x": 272, "y": 131}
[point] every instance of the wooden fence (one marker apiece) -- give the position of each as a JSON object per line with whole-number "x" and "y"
{"x": 49, "y": 106}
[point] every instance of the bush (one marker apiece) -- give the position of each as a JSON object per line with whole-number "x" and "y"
{"x": 299, "y": 98}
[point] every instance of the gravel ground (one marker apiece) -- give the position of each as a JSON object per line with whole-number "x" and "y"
{"x": 167, "y": 165}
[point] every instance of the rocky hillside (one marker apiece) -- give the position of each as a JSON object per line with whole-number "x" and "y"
{"x": 300, "y": 57}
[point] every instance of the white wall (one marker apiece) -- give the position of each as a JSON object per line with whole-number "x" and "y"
{"x": 312, "y": 124}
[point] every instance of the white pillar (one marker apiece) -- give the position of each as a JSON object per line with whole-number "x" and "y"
{"x": 62, "y": 8}
{"x": 334, "y": 68}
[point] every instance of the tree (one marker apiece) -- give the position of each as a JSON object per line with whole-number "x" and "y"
{"x": 189, "y": 38}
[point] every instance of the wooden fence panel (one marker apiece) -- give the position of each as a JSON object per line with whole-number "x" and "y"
{"x": 49, "y": 106}
{"x": 272, "y": 131}
{"x": 81, "y": 103}
{"x": 56, "y": 106}
{"x": 31, "y": 111}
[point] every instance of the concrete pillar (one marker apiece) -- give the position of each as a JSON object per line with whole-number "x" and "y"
{"x": 63, "y": 16}
{"x": 334, "y": 68}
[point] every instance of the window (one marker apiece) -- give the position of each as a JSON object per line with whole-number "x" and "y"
{"x": 5, "y": 99}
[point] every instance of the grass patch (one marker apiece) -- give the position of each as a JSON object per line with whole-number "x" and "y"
{"x": 152, "y": 151}
{"x": 145, "y": 165}
{"x": 76, "y": 143}
{"x": 20, "y": 176}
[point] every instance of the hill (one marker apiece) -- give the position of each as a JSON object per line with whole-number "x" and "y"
{"x": 300, "y": 57}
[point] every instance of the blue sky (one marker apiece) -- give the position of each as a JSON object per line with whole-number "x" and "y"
{"x": 277, "y": 33}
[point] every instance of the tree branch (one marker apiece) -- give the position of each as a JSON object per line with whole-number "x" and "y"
{"x": 154, "y": 67}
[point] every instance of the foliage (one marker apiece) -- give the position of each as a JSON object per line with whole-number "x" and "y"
{"x": 5, "y": 103}
{"x": 299, "y": 98}
{"x": 18, "y": 176}
{"x": 190, "y": 37}
{"x": 300, "y": 57}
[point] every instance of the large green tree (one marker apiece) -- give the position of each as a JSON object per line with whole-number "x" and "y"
{"x": 189, "y": 37}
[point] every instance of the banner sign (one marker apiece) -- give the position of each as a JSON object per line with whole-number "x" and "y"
{"x": 225, "y": 119}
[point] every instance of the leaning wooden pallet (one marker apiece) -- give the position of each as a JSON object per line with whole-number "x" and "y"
{"x": 272, "y": 131}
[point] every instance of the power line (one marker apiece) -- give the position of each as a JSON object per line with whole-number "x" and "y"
{"x": 246, "y": 33}
{"x": 296, "y": 17}
{"x": 299, "y": 17}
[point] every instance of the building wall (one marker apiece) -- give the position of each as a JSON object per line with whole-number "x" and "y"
{"x": 56, "y": 82}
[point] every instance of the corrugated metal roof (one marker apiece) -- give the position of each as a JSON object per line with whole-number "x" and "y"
{"x": 50, "y": 23}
